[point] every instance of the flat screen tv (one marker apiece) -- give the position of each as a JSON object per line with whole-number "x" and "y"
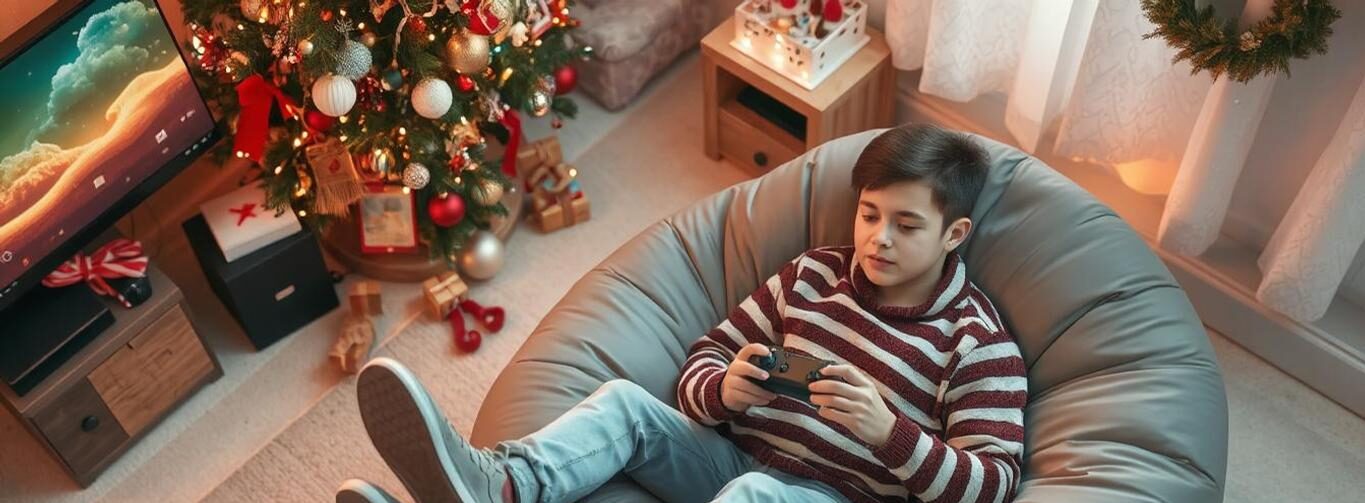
{"x": 97, "y": 111}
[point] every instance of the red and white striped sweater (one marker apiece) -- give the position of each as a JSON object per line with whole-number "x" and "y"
{"x": 948, "y": 369}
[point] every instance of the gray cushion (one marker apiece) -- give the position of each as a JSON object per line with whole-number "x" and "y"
{"x": 1126, "y": 401}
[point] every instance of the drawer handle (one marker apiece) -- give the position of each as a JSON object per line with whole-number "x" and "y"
{"x": 760, "y": 159}
{"x": 90, "y": 423}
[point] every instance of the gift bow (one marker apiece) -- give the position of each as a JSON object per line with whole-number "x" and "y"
{"x": 255, "y": 96}
{"x": 120, "y": 258}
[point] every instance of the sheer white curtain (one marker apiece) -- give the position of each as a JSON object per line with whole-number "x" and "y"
{"x": 1120, "y": 101}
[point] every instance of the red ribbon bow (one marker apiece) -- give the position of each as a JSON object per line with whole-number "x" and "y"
{"x": 120, "y": 258}
{"x": 512, "y": 122}
{"x": 255, "y": 96}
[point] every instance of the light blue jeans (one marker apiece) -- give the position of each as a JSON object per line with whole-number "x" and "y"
{"x": 623, "y": 428}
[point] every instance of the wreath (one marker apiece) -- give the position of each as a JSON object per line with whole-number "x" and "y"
{"x": 1294, "y": 29}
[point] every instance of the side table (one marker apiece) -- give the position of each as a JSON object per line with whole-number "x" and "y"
{"x": 759, "y": 119}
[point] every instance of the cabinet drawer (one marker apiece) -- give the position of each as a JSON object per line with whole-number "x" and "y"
{"x": 750, "y": 140}
{"x": 149, "y": 375}
{"x": 81, "y": 428}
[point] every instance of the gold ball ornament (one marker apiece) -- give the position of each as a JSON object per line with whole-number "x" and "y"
{"x": 488, "y": 193}
{"x": 467, "y": 52}
{"x": 306, "y": 47}
{"x": 255, "y": 10}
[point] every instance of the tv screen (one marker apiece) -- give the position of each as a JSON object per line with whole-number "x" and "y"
{"x": 98, "y": 111}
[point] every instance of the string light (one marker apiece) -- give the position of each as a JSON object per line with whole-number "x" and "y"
{"x": 407, "y": 190}
{"x": 343, "y": 137}
{"x": 303, "y": 213}
{"x": 279, "y": 169}
{"x": 343, "y": 12}
{"x": 343, "y": 119}
{"x": 297, "y": 142}
{"x": 402, "y": 131}
{"x": 361, "y": 25}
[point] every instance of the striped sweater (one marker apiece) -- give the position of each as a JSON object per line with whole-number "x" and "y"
{"x": 947, "y": 369}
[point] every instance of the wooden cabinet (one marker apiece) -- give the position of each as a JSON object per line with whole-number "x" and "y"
{"x": 858, "y": 96}
{"x": 114, "y": 390}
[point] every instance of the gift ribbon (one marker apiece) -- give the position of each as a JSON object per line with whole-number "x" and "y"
{"x": 255, "y": 96}
{"x": 512, "y": 122}
{"x": 120, "y": 258}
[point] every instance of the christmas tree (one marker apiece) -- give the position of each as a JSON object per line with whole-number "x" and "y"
{"x": 332, "y": 96}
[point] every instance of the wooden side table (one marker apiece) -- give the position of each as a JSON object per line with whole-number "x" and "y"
{"x": 856, "y": 97}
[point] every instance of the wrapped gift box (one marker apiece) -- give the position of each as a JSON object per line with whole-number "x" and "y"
{"x": 241, "y": 223}
{"x": 273, "y": 291}
{"x": 554, "y": 216}
{"x": 444, "y": 292}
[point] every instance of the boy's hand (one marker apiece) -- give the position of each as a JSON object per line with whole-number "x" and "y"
{"x": 854, "y": 403}
{"x": 737, "y": 393}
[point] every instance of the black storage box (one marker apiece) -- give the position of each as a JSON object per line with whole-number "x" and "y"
{"x": 272, "y": 291}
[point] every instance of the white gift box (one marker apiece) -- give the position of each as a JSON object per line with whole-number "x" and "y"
{"x": 242, "y": 224}
{"x": 798, "y": 56}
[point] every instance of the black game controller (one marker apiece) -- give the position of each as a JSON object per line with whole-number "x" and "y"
{"x": 790, "y": 373}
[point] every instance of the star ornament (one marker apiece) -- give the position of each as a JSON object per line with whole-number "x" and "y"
{"x": 245, "y": 211}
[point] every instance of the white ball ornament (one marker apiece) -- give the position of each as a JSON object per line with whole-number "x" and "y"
{"x": 334, "y": 95}
{"x": 431, "y": 98}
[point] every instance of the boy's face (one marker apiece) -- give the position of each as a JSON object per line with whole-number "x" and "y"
{"x": 899, "y": 236}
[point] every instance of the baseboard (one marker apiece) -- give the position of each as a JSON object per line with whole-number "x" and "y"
{"x": 1328, "y": 355}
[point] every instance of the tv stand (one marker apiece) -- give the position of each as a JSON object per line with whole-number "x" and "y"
{"x": 44, "y": 328}
{"x": 102, "y": 398}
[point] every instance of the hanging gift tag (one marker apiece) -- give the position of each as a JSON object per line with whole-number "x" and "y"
{"x": 338, "y": 184}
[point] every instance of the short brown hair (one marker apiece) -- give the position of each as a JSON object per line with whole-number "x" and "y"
{"x": 951, "y": 163}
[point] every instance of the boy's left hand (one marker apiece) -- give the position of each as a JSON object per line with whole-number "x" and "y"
{"x": 854, "y": 403}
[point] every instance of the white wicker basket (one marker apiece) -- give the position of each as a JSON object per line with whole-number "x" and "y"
{"x": 806, "y": 60}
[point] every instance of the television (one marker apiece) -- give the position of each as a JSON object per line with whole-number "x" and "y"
{"x": 99, "y": 111}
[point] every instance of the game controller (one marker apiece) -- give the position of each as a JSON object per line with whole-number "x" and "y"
{"x": 790, "y": 373}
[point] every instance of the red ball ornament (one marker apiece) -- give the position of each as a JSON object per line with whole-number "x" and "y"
{"x": 468, "y": 341}
{"x": 326, "y": 15}
{"x": 318, "y": 121}
{"x": 566, "y": 77}
{"x": 417, "y": 25}
{"x": 465, "y": 83}
{"x": 446, "y": 211}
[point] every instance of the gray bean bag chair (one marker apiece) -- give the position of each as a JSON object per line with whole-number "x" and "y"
{"x": 1126, "y": 401}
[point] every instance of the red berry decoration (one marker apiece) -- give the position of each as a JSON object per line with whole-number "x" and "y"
{"x": 465, "y": 83}
{"x": 468, "y": 341}
{"x": 318, "y": 121}
{"x": 566, "y": 77}
{"x": 446, "y": 211}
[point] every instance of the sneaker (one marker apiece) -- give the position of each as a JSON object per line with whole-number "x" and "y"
{"x": 414, "y": 438}
{"x": 360, "y": 491}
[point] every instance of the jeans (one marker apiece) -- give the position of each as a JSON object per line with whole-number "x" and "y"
{"x": 623, "y": 428}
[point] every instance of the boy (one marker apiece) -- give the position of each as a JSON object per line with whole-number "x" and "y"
{"x": 928, "y": 404}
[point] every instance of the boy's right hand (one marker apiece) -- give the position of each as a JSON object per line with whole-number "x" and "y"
{"x": 737, "y": 392}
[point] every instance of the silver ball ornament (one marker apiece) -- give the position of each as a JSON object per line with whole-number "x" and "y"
{"x": 416, "y": 176}
{"x": 482, "y": 256}
{"x": 354, "y": 60}
{"x": 306, "y": 47}
{"x": 540, "y": 103}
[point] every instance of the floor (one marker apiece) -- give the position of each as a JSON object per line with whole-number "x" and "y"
{"x": 287, "y": 430}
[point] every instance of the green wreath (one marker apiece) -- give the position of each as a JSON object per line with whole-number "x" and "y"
{"x": 1294, "y": 29}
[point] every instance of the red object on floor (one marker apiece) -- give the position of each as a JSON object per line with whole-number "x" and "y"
{"x": 469, "y": 342}
{"x": 465, "y": 340}
{"x": 492, "y": 318}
